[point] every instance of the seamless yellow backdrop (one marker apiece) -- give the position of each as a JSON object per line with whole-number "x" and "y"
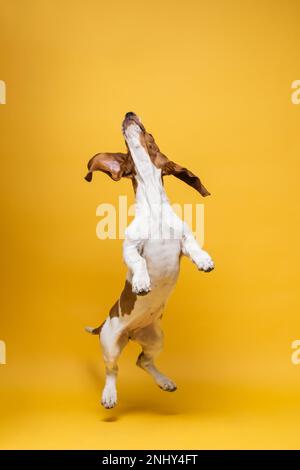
{"x": 212, "y": 82}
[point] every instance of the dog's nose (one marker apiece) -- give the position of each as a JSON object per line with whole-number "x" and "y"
{"x": 130, "y": 115}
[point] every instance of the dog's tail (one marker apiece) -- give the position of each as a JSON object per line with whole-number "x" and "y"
{"x": 94, "y": 331}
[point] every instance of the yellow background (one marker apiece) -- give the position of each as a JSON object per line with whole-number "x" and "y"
{"x": 212, "y": 82}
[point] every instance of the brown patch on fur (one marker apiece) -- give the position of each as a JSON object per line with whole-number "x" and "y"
{"x": 114, "y": 311}
{"x": 134, "y": 185}
{"x": 127, "y": 299}
{"x": 158, "y": 159}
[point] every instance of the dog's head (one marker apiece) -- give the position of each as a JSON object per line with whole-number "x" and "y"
{"x": 121, "y": 165}
{"x": 132, "y": 119}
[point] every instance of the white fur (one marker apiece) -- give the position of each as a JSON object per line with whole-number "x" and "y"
{"x": 153, "y": 244}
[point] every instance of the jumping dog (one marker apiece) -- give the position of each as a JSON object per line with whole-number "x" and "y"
{"x": 154, "y": 243}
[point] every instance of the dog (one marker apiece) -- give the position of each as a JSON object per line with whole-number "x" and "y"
{"x": 153, "y": 245}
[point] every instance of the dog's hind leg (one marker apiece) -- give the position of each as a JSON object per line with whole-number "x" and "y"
{"x": 151, "y": 340}
{"x": 113, "y": 340}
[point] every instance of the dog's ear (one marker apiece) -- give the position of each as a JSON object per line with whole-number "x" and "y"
{"x": 172, "y": 168}
{"x": 115, "y": 165}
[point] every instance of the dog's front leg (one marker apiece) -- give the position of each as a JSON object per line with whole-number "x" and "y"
{"x": 137, "y": 266}
{"x": 191, "y": 248}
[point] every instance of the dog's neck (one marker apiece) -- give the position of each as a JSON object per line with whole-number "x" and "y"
{"x": 150, "y": 193}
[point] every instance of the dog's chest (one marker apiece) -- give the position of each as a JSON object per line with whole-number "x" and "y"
{"x": 162, "y": 258}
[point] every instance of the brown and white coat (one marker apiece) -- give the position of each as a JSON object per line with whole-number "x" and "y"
{"x": 153, "y": 245}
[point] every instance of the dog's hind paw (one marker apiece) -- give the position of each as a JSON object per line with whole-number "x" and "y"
{"x": 109, "y": 397}
{"x": 166, "y": 384}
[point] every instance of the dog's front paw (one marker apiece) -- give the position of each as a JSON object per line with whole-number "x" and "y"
{"x": 109, "y": 397}
{"x": 141, "y": 284}
{"x": 204, "y": 262}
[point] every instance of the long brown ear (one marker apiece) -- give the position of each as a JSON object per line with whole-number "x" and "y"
{"x": 114, "y": 165}
{"x": 172, "y": 168}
